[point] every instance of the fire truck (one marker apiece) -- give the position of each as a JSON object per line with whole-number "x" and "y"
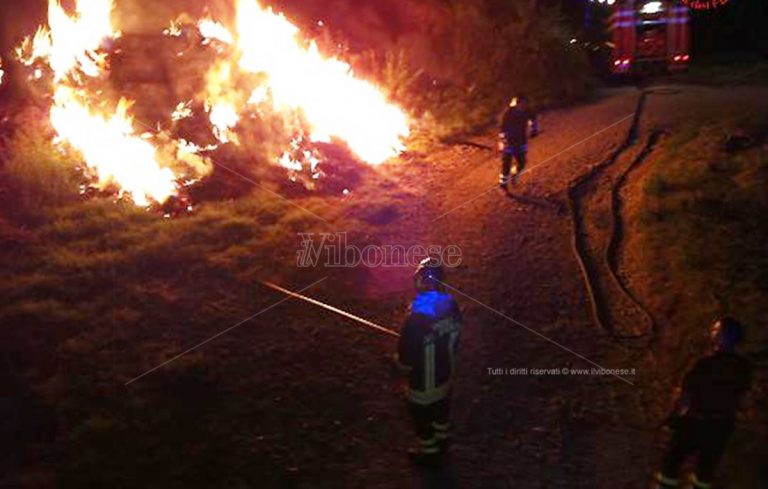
{"x": 649, "y": 35}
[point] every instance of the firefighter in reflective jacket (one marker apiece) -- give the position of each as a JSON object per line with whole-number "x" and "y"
{"x": 703, "y": 416}
{"x": 426, "y": 354}
{"x": 515, "y": 123}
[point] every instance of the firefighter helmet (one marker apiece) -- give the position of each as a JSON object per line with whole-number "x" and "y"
{"x": 727, "y": 332}
{"x": 429, "y": 275}
{"x": 518, "y": 99}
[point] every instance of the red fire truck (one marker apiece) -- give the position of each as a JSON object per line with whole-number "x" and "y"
{"x": 647, "y": 34}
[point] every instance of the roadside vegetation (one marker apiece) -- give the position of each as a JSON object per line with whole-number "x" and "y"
{"x": 705, "y": 202}
{"x": 455, "y": 64}
{"x": 96, "y": 292}
{"x": 702, "y": 241}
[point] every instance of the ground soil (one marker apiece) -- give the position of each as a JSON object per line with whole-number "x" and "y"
{"x": 299, "y": 397}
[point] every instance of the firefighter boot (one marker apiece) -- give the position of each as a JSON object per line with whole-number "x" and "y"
{"x": 442, "y": 435}
{"x": 515, "y": 175}
{"x": 503, "y": 181}
{"x": 696, "y": 483}
{"x": 661, "y": 481}
{"x": 426, "y": 453}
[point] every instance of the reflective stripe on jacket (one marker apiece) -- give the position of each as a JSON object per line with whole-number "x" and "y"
{"x": 428, "y": 344}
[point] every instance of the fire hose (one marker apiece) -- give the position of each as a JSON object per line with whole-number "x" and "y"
{"x": 333, "y": 309}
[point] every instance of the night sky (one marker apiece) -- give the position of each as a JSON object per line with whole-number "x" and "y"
{"x": 738, "y": 26}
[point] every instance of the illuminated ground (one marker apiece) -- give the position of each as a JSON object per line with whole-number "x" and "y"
{"x": 558, "y": 432}
{"x": 299, "y": 398}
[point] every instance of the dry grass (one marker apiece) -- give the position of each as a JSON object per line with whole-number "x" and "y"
{"x": 702, "y": 236}
{"x": 95, "y": 292}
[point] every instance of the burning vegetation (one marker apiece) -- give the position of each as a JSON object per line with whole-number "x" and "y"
{"x": 260, "y": 78}
{"x": 162, "y": 113}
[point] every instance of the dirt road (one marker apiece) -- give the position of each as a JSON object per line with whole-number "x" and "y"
{"x": 279, "y": 393}
{"x": 526, "y": 303}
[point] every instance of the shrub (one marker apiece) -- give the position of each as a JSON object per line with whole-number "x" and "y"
{"x": 458, "y": 76}
{"x": 36, "y": 174}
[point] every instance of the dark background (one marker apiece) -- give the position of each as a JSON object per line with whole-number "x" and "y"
{"x": 739, "y": 26}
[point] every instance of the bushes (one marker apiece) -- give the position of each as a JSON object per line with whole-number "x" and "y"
{"x": 36, "y": 175}
{"x": 458, "y": 75}
{"x": 704, "y": 207}
{"x": 452, "y": 63}
{"x": 701, "y": 241}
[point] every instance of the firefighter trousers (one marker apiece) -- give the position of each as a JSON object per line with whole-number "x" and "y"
{"x": 517, "y": 151}
{"x": 432, "y": 424}
{"x": 701, "y": 437}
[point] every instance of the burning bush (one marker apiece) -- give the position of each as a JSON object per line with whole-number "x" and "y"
{"x": 454, "y": 64}
{"x": 151, "y": 114}
{"x": 260, "y": 85}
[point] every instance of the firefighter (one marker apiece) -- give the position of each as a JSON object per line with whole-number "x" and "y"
{"x": 426, "y": 355}
{"x": 705, "y": 409}
{"x": 516, "y": 121}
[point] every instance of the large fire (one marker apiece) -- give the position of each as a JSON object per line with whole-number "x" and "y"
{"x": 221, "y": 102}
{"x": 298, "y": 78}
{"x": 71, "y": 47}
{"x": 334, "y": 102}
{"x": 109, "y": 146}
{"x": 71, "y": 43}
{"x": 265, "y": 63}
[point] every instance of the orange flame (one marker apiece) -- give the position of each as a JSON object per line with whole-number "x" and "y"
{"x": 220, "y": 102}
{"x": 70, "y": 45}
{"x": 110, "y": 147}
{"x": 325, "y": 90}
{"x": 333, "y": 101}
{"x": 294, "y": 78}
{"x": 210, "y": 29}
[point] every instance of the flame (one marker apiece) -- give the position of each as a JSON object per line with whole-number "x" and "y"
{"x": 110, "y": 147}
{"x": 299, "y": 158}
{"x": 173, "y": 30}
{"x": 182, "y": 111}
{"x": 210, "y": 29}
{"x": 294, "y": 78}
{"x": 333, "y": 101}
{"x": 70, "y": 45}
{"x": 221, "y": 103}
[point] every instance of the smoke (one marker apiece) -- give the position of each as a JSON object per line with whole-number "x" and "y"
{"x": 152, "y": 16}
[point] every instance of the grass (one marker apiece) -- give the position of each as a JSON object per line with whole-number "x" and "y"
{"x": 97, "y": 292}
{"x": 457, "y": 77}
{"x": 108, "y": 308}
{"x": 37, "y": 174}
{"x": 702, "y": 229}
{"x": 699, "y": 193}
